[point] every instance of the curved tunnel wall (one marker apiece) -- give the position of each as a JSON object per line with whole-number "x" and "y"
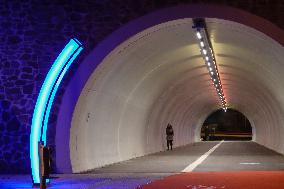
{"x": 158, "y": 76}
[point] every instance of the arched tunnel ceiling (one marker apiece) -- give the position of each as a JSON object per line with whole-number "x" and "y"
{"x": 158, "y": 76}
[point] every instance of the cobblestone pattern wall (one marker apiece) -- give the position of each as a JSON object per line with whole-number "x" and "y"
{"x": 32, "y": 33}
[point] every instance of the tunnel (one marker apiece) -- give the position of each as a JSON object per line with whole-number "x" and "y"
{"x": 154, "y": 74}
{"x": 229, "y": 125}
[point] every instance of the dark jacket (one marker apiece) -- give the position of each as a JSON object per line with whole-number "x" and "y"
{"x": 170, "y": 133}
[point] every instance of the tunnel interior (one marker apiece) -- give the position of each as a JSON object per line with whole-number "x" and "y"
{"x": 158, "y": 76}
{"x": 229, "y": 125}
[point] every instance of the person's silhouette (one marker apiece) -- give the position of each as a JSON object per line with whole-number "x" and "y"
{"x": 170, "y": 136}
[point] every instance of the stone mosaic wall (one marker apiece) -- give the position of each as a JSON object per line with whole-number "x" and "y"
{"x": 32, "y": 33}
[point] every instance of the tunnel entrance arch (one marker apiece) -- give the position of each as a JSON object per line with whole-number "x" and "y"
{"x": 101, "y": 52}
{"x": 229, "y": 125}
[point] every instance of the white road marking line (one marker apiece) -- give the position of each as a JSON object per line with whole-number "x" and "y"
{"x": 197, "y": 162}
{"x": 249, "y": 163}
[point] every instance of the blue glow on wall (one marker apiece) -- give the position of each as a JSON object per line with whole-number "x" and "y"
{"x": 45, "y": 99}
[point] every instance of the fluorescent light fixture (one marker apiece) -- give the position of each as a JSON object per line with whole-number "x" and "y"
{"x": 248, "y": 163}
{"x": 210, "y": 69}
{"x": 207, "y": 58}
{"x": 212, "y": 73}
{"x": 204, "y": 51}
{"x": 45, "y": 100}
{"x": 198, "y": 34}
{"x": 202, "y": 44}
{"x": 208, "y": 63}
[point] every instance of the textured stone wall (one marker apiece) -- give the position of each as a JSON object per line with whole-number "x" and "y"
{"x": 32, "y": 33}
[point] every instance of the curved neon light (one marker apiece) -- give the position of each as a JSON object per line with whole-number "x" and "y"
{"x": 45, "y": 99}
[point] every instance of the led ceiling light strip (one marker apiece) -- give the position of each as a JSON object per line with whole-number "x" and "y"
{"x": 45, "y": 100}
{"x": 209, "y": 58}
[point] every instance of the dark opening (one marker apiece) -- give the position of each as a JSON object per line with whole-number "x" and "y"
{"x": 230, "y": 125}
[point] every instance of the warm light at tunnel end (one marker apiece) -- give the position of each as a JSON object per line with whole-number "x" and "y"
{"x": 207, "y": 52}
{"x": 45, "y": 100}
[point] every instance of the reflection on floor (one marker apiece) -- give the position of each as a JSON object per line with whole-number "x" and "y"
{"x": 83, "y": 181}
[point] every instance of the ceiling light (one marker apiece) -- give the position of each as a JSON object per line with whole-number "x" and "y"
{"x": 198, "y": 34}
{"x": 208, "y": 54}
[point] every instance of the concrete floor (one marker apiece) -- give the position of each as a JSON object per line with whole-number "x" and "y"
{"x": 229, "y": 156}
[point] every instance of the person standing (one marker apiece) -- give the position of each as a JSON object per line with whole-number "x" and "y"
{"x": 170, "y": 136}
{"x": 206, "y": 132}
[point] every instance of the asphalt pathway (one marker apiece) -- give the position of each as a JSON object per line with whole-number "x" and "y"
{"x": 228, "y": 156}
{"x": 242, "y": 156}
{"x": 172, "y": 161}
{"x": 229, "y": 165}
{"x": 211, "y": 160}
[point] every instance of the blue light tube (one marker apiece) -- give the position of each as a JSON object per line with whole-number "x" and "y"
{"x": 52, "y": 96}
{"x": 45, "y": 100}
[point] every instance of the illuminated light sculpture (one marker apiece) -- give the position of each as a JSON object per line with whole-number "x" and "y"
{"x": 45, "y": 99}
{"x": 207, "y": 52}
